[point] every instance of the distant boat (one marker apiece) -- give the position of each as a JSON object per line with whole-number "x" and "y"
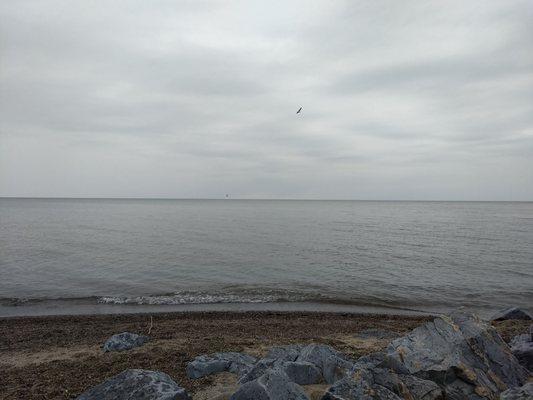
{"x": 298, "y": 112}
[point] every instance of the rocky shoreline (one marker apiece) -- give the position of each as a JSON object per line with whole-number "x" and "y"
{"x": 449, "y": 357}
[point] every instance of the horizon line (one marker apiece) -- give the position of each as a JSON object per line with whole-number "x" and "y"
{"x": 253, "y": 199}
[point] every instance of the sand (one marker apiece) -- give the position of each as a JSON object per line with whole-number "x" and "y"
{"x": 60, "y": 357}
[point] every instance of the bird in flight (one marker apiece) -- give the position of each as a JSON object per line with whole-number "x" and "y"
{"x": 298, "y": 112}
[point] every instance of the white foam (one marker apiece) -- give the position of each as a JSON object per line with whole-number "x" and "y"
{"x": 198, "y": 298}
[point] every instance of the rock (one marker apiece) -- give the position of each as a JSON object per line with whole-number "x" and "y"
{"x": 462, "y": 354}
{"x": 332, "y": 364}
{"x": 283, "y": 358}
{"x": 137, "y": 384}
{"x": 284, "y": 353}
{"x": 305, "y": 365}
{"x": 359, "y": 386}
{"x": 259, "y": 369}
{"x": 237, "y": 363}
{"x": 522, "y": 348}
{"x": 367, "y": 381}
{"x": 124, "y": 341}
{"x": 272, "y": 385}
{"x": 302, "y": 373}
{"x": 522, "y": 393}
{"x": 511, "y": 313}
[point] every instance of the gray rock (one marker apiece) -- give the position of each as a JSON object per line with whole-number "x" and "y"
{"x": 522, "y": 393}
{"x": 379, "y": 383}
{"x": 237, "y": 363}
{"x": 522, "y": 348}
{"x": 332, "y": 364}
{"x": 259, "y": 369}
{"x": 511, "y": 313}
{"x": 137, "y": 384}
{"x": 272, "y": 385}
{"x": 284, "y": 353}
{"x": 283, "y": 358}
{"x": 303, "y": 364}
{"x": 462, "y": 354}
{"x": 302, "y": 373}
{"x": 124, "y": 341}
{"x": 359, "y": 385}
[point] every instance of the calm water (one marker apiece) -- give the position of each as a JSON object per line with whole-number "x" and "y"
{"x": 417, "y": 255}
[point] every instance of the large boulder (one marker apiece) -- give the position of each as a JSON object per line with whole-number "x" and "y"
{"x": 272, "y": 385}
{"x": 237, "y": 363}
{"x": 522, "y": 393}
{"x": 463, "y": 354}
{"x": 137, "y": 384}
{"x": 124, "y": 341}
{"x": 522, "y": 348}
{"x": 511, "y": 313}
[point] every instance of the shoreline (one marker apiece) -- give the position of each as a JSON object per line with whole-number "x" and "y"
{"x": 59, "y": 357}
{"x": 57, "y": 307}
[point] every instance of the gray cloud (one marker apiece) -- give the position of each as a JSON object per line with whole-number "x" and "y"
{"x": 414, "y": 100}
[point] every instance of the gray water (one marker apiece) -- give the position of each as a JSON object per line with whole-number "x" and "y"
{"x": 411, "y": 255}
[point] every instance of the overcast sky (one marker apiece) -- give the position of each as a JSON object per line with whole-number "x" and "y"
{"x": 401, "y": 99}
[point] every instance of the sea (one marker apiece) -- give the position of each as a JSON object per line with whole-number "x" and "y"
{"x": 86, "y": 256}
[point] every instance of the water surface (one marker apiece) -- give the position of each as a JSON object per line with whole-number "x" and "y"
{"x": 412, "y": 255}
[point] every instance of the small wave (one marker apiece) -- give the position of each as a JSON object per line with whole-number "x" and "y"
{"x": 201, "y": 298}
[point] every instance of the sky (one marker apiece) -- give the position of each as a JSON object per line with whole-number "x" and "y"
{"x": 414, "y": 100}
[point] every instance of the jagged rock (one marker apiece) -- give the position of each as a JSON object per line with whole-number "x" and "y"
{"x": 522, "y": 348}
{"x": 522, "y": 393}
{"x": 283, "y": 358}
{"x": 332, "y": 364}
{"x": 137, "y": 384}
{"x": 462, "y": 354}
{"x": 124, "y": 341}
{"x": 359, "y": 386}
{"x": 368, "y": 381}
{"x": 511, "y": 313}
{"x": 302, "y": 373}
{"x": 284, "y": 353}
{"x": 303, "y": 364}
{"x": 272, "y": 385}
{"x": 237, "y": 363}
{"x": 259, "y": 369}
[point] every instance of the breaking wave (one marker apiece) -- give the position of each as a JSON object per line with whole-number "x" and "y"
{"x": 177, "y": 298}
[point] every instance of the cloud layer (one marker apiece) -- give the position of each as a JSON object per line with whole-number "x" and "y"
{"x": 401, "y": 100}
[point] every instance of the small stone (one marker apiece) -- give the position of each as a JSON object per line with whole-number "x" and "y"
{"x": 124, "y": 341}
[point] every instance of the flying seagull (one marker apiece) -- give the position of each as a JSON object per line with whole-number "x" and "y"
{"x": 298, "y": 112}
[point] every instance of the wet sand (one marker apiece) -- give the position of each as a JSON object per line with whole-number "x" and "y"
{"x": 59, "y": 357}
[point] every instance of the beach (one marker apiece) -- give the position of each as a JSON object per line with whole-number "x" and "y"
{"x": 59, "y": 357}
